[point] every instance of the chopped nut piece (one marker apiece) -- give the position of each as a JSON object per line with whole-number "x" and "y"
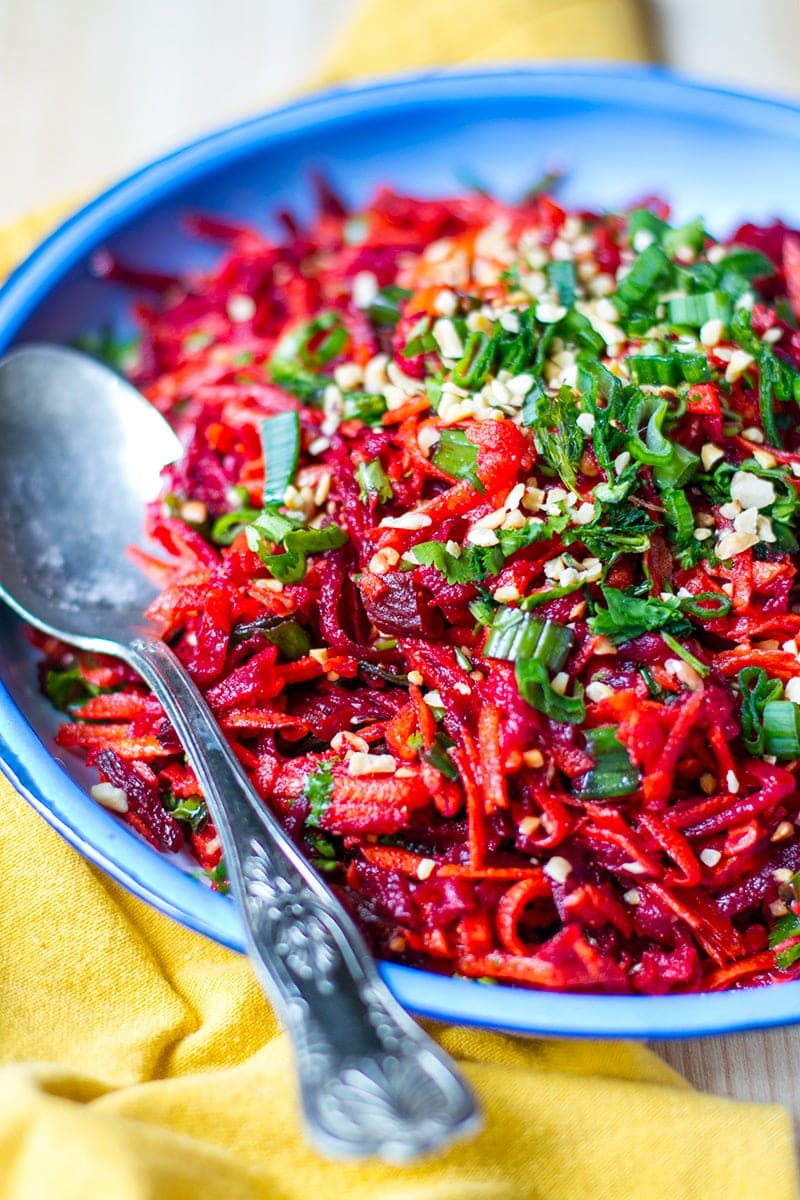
{"x": 731, "y": 544}
{"x": 479, "y": 536}
{"x": 558, "y": 868}
{"x": 113, "y": 798}
{"x": 383, "y": 560}
{"x": 710, "y": 455}
{"x": 751, "y": 490}
{"x": 782, "y": 831}
{"x": 597, "y": 690}
{"x": 409, "y": 520}
{"x": 371, "y": 764}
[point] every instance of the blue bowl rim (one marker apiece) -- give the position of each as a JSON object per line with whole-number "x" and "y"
{"x": 36, "y": 773}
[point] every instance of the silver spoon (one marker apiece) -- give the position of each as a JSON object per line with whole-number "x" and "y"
{"x": 80, "y": 455}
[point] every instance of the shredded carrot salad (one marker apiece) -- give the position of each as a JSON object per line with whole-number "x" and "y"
{"x": 483, "y": 551}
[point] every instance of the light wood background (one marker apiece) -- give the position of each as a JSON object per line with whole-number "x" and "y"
{"x": 89, "y": 89}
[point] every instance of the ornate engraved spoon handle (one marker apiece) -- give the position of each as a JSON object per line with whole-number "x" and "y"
{"x": 371, "y": 1081}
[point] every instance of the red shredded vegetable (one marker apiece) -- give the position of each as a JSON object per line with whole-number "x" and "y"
{"x": 483, "y": 550}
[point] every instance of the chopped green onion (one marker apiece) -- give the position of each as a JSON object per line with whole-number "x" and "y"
{"x": 534, "y": 599}
{"x": 314, "y": 541}
{"x": 749, "y": 263}
{"x": 668, "y": 370}
{"x": 563, "y": 280}
{"x": 226, "y": 528}
{"x": 438, "y": 757}
{"x": 687, "y": 656}
{"x": 788, "y": 957}
{"x": 482, "y": 609}
{"x": 708, "y": 606}
{"x": 420, "y": 339}
{"x": 782, "y": 729}
{"x": 363, "y": 406}
{"x": 536, "y": 689}
{"x": 679, "y": 468}
{"x": 696, "y": 310}
{"x": 691, "y": 235}
{"x": 280, "y": 438}
{"x": 642, "y": 220}
{"x": 385, "y": 306}
{"x": 613, "y": 773}
{"x": 516, "y": 634}
{"x": 784, "y": 930}
{"x": 537, "y": 648}
{"x": 463, "y": 659}
{"x": 475, "y": 363}
{"x": 758, "y": 689}
{"x": 679, "y": 514}
{"x": 655, "y": 448}
{"x": 373, "y": 481}
{"x": 649, "y": 270}
{"x": 331, "y": 346}
{"x": 294, "y": 347}
{"x": 456, "y": 455}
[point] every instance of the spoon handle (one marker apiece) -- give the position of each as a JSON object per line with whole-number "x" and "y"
{"x": 371, "y": 1081}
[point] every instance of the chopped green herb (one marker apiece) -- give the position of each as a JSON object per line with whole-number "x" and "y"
{"x": 318, "y": 792}
{"x": 218, "y": 877}
{"x": 559, "y": 439}
{"x": 627, "y": 617}
{"x": 69, "y": 688}
{"x": 191, "y": 809}
{"x": 271, "y": 527}
{"x": 373, "y": 482}
{"x": 786, "y": 930}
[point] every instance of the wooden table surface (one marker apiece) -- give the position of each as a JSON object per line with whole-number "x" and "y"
{"x": 89, "y": 89}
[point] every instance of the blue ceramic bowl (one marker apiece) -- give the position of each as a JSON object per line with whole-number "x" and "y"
{"x": 620, "y": 133}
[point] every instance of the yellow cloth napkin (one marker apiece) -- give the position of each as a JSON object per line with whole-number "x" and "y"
{"x": 139, "y": 1061}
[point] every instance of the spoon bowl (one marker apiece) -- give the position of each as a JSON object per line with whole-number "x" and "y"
{"x": 80, "y": 454}
{"x": 82, "y": 451}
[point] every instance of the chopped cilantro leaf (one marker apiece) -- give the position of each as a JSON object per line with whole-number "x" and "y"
{"x": 626, "y": 617}
{"x": 318, "y": 791}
